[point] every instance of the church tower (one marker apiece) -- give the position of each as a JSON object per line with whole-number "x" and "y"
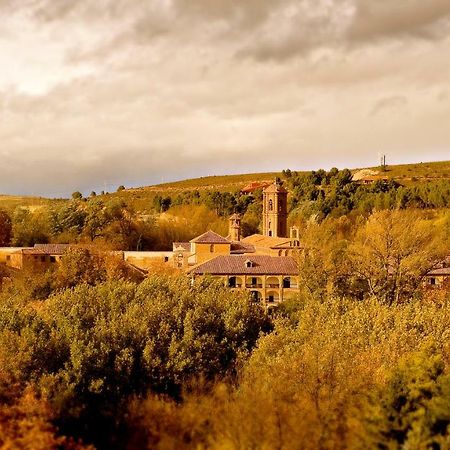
{"x": 275, "y": 210}
{"x": 234, "y": 230}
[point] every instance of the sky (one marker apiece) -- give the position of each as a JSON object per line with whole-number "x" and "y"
{"x": 97, "y": 94}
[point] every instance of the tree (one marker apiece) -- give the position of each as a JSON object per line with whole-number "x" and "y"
{"x": 121, "y": 188}
{"x": 30, "y": 228}
{"x": 5, "y": 228}
{"x": 393, "y": 250}
{"x": 77, "y": 195}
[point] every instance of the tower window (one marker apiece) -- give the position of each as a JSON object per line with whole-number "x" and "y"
{"x": 211, "y": 248}
{"x": 270, "y": 205}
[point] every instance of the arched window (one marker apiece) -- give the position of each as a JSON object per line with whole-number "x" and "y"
{"x": 270, "y": 205}
{"x": 211, "y": 248}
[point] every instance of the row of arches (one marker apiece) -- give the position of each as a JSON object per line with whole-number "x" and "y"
{"x": 258, "y": 282}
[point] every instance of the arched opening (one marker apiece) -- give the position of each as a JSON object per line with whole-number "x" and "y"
{"x": 254, "y": 282}
{"x": 272, "y": 297}
{"x": 272, "y": 282}
{"x": 256, "y": 296}
{"x": 211, "y": 248}
{"x": 270, "y": 205}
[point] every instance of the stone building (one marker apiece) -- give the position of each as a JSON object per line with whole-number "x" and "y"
{"x": 271, "y": 279}
{"x": 275, "y": 210}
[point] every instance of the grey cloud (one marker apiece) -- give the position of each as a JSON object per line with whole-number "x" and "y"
{"x": 382, "y": 19}
{"x": 388, "y": 105}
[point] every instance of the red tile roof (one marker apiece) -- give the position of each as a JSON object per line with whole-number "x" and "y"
{"x": 210, "y": 238}
{"x": 52, "y": 249}
{"x": 237, "y": 265}
{"x": 254, "y": 185}
{"x": 443, "y": 272}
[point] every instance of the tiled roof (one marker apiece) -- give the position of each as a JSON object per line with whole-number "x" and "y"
{"x": 254, "y": 185}
{"x": 210, "y": 238}
{"x": 184, "y": 245}
{"x": 237, "y": 265}
{"x": 52, "y": 249}
{"x": 443, "y": 272}
{"x": 238, "y": 247}
{"x": 259, "y": 240}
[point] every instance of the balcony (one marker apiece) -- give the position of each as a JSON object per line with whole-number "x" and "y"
{"x": 254, "y": 286}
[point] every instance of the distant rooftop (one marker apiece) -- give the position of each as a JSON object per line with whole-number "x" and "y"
{"x": 248, "y": 265}
{"x": 210, "y": 237}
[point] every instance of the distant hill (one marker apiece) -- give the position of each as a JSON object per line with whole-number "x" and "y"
{"x": 407, "y": 174}
{"x": 404, "y": 173}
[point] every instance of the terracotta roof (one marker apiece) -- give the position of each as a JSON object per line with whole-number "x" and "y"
{"x": 254, "y": 185}
{"x": 443, "y": 272}
{"x": 259, "y": 240}
{"x": 239, "y": 247}
{"x": 210, "y": 238}
{"x": 184, "y": 245}
{"x": 237, "y": 265}
{"x": 52, "y": 249}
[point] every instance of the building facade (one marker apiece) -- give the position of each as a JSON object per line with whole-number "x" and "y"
{"x": 275, "y": 210}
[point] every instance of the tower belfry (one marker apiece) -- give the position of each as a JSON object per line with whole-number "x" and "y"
{"x": 275, "y": 210}
{"x": 234, "y": 229}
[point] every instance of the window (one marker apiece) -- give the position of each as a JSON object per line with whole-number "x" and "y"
{"x": 166, "y": 258}
{"x": 248, "y": 263}
{"x": 211, "y": 248}
{"x": 270, "y": 205}
{"x": 8, "y": 258}
{"x": 52, "y": 259}
{"x": 433, "y": 281}
{"x": 287, "y": 283}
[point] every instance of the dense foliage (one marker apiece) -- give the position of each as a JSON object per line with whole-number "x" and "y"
{"x": 86, "y": 351}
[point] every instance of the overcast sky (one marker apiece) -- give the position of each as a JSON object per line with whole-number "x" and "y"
{"x": 110, "y": 92}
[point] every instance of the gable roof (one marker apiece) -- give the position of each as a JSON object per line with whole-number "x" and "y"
{"x": 259, "y": 240}
{"x": 52, "y": 249}
{"x": 210, "y": 237}
{"x": 237, "y": 265}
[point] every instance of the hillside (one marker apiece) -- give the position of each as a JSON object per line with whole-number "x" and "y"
{"x": 141, "y": 197}
{"x": 404, "y": 173}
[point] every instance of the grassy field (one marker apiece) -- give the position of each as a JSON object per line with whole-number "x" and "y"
{"x": 10, "y": 202}
{"x": 420, "y": 172}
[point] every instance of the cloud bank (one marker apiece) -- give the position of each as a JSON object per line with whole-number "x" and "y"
{"x": 130, "y": 92}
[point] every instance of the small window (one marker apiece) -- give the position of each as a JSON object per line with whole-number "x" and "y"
{"x": 270, "y": 205}
{"x": 248, "y": 263}
{"x": 8, "y": 258}
{"x": 433, "y": 281}
{"x": 52, "y": 259}
{"x": 211, "y": 248}
{"x": 166, "y": 258}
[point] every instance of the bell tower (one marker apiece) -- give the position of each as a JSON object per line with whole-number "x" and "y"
{"x": 275, "y": 210}
{"x": 234, "y": 230}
